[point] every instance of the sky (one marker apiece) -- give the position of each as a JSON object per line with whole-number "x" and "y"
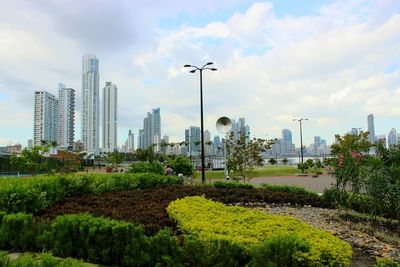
{"x": 333, "y": 62}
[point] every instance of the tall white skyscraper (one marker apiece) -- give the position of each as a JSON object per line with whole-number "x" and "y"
{"x": 45, "y": 117}
{"x": 392, "y": 137}
{"x": 90, "y": 103}
{"x": 66, "y": 117}
{"x": 194, "y": 141}
{"x": 109, "y": 116}
{"x": 371, "y": 128}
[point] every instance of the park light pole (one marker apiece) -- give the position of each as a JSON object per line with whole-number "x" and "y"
{"x": 301, "y": 143}
{"x": 193, "y": 70}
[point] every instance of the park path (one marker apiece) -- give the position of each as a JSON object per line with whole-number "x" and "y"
{"x": 317, "y": 184}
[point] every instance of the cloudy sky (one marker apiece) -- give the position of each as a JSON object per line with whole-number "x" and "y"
{"x": 333, "y": 62}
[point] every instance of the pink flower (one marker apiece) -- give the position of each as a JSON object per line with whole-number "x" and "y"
{"x": 352, "y": 154}
{"x": 358, "y": 155}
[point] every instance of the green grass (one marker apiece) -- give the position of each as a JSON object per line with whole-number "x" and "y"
{"x": 264, "y": 171}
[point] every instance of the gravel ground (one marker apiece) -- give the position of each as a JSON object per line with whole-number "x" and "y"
{"x": 360, "y": 240}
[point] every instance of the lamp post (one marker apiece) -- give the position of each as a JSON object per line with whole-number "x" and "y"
{"x": 193, "y": 70}
{"x": 301, "y": 143}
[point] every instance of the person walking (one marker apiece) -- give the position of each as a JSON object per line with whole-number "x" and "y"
{"x": 169, "y": 171}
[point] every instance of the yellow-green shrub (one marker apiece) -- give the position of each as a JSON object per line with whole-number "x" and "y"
{"x": 249, "y": 228}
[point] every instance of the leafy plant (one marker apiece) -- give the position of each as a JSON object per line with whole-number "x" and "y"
{"x": 249, "y": 228}
{"x": 292, "y": 189}
{"x": 181, "y": 164}
{"x": 283, "y": 250}
{"x": 221, "y": 184}
{"x": 146, "y": 167}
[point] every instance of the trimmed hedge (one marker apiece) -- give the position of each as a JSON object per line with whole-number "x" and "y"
{"x": 290, "y": 189}
{"x": 39, "y": 260}
{"x": 31, "y": 195}
{"x": 249, "y": 228}
{"x": 221, "y": 184}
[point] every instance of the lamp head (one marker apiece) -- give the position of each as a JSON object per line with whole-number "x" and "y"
{"x": 209, "y": 63}
{"x": 187, "y": 66}
{"x": 193, "y": 71}
{"x": 213, "y": 69}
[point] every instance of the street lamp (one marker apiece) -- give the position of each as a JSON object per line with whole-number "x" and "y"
{"x": 301, "y": 143}
{"x": 193, "y": 70}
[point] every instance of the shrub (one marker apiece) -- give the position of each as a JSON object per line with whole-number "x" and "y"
{"x": 248, "y": 228}
{"x": 100, "y": 240}
{"x": 213, "y": 253}
{"x": 146, "y": 167}
{"x": 380, "y": 262}
{"x": 281, "y": 250}
{"x": 17, "y": 232}
{"x": 39, "y": 260}
{"x": 291, "y": 189}
{"x": 181, "y": 164}
{"x": 165, "y": 249}
{"x": 220, "y": 184}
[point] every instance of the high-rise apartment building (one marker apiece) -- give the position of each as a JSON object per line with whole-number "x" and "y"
{"x": 131, "y": 142}
{"x": 194, "y": 141}
{"x": 392, "y": 137}
{"x": 90, "y": 103}
{"x": 141, "y": 139}
{"x": 66, "y": 117}
{"x": 240, "y": 128}
{"x": 286, "y": 142}
{"x": 371, "y": 128}
{"x": 152, "y": 130}
{"x": 109, "y": 117}
{"x": 45, "y": 117}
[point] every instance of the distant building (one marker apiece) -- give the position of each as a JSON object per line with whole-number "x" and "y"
{"x": 194, "y": 141}
{"x": 66, "y": 117}
{"x": 392, "y": 137}
{"x": 90, "y": 104}
{"x": 151, "y": 130}
{"x": 287, "y": 146}
{"x": 240, "y": 128}
{"x": 78, "y": 146}
{"x": 11, "y": 149}
{"x": 381, "y": 138}
{"x": 354, "y": 131}
{"x": 109, "y": 118}
{"x": 317, "y": 143}
{"x": 371, "y": 128}
{"x": 131, "y": 142}
{"x": 30, "y": 143}
{"x": 45, "y": 117}
{"x": 140, "y": 144}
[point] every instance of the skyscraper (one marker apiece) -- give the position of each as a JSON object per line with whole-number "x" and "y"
{"x": 131, "y": 142}
{"x": 371, "y": 128}
{"x": 286, "y": 141}
{"x": 90, "y": 103}
{"x": 45, "y": 117}
{"x": 141, "y": 139}
{"x": 152, "y": 130}
{"x": 66, "y": 117}
{"x": 392, "y": 137}
{"x": 194, "y": 141}
{"x": 109, "y": 116}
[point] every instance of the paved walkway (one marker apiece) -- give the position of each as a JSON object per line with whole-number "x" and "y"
{"x": 318, "y": 184}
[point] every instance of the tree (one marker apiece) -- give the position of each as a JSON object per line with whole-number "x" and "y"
{"x": 243, "y": 156}
{"x": 115, "y": 158}
{"x": 285, "y": 161}
{"x": 30, "y": 161}
{"x": 272, "y": 161}
{"x": 181, "y": 164}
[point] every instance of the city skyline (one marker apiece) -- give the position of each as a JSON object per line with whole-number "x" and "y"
{"x": 332, "y": 62}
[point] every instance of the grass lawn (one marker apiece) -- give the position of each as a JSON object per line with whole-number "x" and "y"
{"x": 264, "y": 171}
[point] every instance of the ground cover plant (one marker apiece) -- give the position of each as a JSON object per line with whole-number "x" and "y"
{"x": 148, "y": 206}
{"x": 31, "y": 195}
{"x": 38, "y": 260}
{"x": 250, "y": 228}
